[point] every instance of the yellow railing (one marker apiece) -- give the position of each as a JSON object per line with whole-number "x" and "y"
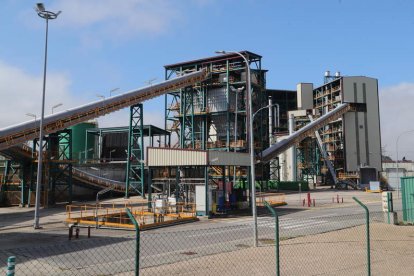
{"x": 348, "y": 175}
{"x": 113, "y": 215}
{"x": 271, "y": 198}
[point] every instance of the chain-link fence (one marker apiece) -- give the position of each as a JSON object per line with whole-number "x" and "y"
{"x": 83, "y": 256}
{"x": 321, "y": 243}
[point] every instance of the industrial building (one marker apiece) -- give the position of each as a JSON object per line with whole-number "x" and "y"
{"x": 328, "y": 134}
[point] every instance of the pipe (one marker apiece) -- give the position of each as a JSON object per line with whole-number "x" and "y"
{"x": 293, "y": 149}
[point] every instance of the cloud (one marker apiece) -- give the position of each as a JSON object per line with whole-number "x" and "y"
{"x": 397, "y": 114}
{"x": 21, "y": 93}
{"x": 116, "y": 18}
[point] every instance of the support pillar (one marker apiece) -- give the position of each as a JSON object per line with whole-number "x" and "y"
{"x": 135, "y": 162}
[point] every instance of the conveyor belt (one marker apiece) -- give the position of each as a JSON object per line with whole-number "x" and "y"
{"x": 17, "y": 134}
{"x": 96, "y": 182}
{"x": 308, "y": 130}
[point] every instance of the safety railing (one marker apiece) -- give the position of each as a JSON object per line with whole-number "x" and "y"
{"x": 114, "y": 216}
{"x": 274, "y": 199}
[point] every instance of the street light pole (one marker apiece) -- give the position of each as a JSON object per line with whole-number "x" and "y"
{"x": 56, "y": 106}
{"x": 396, "y": 149}
{"x": 48, "y": 15}
{"x": 34, "y": 116}
{"x": 112, "y": 91}
{"x": 251, "y": 142}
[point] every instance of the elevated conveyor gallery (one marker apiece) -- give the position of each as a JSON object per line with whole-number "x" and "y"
{"x": 11, "y": 138}
{"x": 17, "y": 134}
{"x": 308, "y": 130}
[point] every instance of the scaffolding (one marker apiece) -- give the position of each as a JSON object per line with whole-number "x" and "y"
{"x": 325, "y": 99}
{"x": 211, "y": 115}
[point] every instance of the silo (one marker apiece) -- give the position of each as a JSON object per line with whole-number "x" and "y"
{"x": 79, "y": 150}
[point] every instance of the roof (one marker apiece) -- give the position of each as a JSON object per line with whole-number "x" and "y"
{"x": 213, "y": 58}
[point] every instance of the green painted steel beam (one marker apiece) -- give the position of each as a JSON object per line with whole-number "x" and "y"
{"x": 135, "y": 161}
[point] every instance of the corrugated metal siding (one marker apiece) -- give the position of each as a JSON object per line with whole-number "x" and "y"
{"x": 407, "y": 191}
{"x": 222, "y": 158}
{"x": 158, "y": 157}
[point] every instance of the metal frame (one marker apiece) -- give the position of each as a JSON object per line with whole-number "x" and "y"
{"x": 17, "y": 134}
{"x": 135, "y": 162}
{"x": 59, "y": 148}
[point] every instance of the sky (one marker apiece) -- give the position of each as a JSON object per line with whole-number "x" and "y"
{"x": 96, "y": 46}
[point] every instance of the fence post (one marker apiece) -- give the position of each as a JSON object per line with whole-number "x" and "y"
{"x": 11, "y": 262}
{"x": 368, "y": 235}
{"x": 137, "y": 239}
{"x": 276, "y": 235}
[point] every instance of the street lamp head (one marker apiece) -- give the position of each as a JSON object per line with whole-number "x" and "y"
{"x": 57, "y": 105}
{"x": 43, "y": 13}
{"x": 221, "y": 52}
{"x": 40, "y": 7}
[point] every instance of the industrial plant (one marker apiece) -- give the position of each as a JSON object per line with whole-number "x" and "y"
{"x": 220, "y": 121}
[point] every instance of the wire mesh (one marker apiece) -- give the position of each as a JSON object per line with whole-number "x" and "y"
{"x": 93, "y": 256}
{"x": 311, "y": 243}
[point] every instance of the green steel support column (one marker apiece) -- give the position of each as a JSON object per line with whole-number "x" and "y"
{"x": 367, "y": 234}
{"x": 135, "y": 162}
{"x": 6, "y": 171}
{"x": 60, "y": 176}
{"x": 137, "y": 239}
{"x": 4, "y": 181}
{"x": 24, "y": 170}
{"x": 22, "y": 184}
{"x": 70, "y": 179}
{"x": 183, "y": 114}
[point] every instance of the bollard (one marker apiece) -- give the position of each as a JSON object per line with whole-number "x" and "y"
{"x": 77, "y": 230}
{"x": 333, "y": 200}
{"x": 342, "y": 200}
{"x": 89, "y": 231}
{"x": 11, "y": 263}
{"x": 313, "y": 202}
{"x": 70, "y": 232}
{"x": 309, "y": 200}
{"x": 337, "y": 198}
{"x": 303, "y": 202}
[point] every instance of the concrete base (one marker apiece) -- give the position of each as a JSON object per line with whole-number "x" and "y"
{"x": 391, "y": 218}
